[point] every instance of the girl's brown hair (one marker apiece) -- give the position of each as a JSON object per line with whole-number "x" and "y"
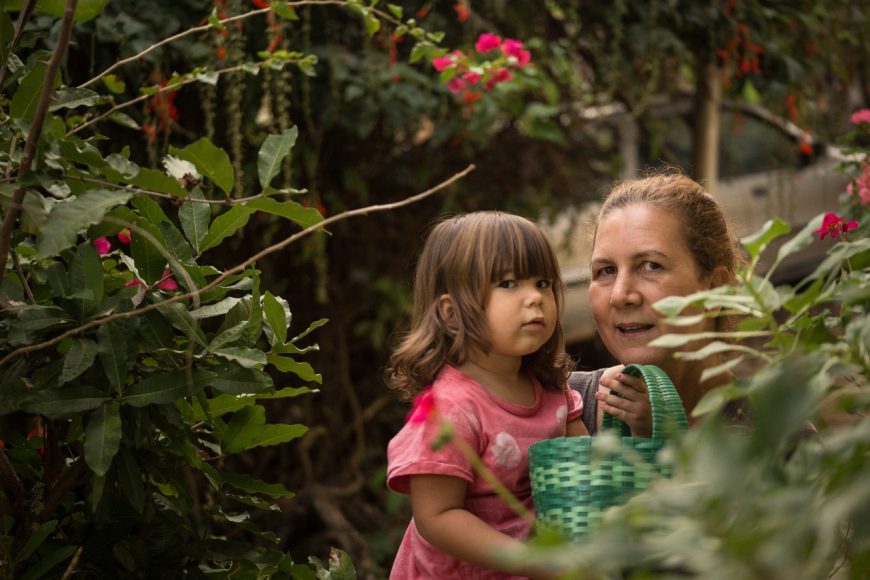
{"x": 462, "y": 257}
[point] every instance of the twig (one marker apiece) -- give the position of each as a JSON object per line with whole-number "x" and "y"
{"x": 17, "y": 264}
{"x": 138, "y": 190}
{"x": 73, "y": 564}
{"x": 35, "y": 132}
{"x": 242, "y": 266}
{"x": 23, "y": 17}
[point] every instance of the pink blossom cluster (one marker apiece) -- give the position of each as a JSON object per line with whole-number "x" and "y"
{"x": 834, "y": 226}
{"x": 860, "y": 116}
{"x": 861, "y": 185}
{"x": 104, "y": 246}
{"x": 465, "y": 72}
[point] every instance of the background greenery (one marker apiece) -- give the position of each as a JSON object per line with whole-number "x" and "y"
{"x": 373, "y": 124}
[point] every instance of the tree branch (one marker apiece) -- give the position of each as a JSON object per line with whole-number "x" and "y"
{"x": 35, "y": 132}
{"x": 241, "y": 267}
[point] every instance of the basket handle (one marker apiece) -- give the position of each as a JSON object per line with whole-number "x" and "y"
{"x": 669, "y": 416}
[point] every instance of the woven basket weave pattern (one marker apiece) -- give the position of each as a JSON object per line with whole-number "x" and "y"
{"x": 573, "y": 482}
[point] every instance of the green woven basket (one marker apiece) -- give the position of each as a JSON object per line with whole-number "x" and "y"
{"x": 574, "y": 480}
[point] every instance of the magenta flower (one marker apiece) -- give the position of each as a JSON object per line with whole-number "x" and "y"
{"x": 442, "y": 63}
{"x": 513, "y": 48}
{"x": 487, "y": 42}
{"x": 103, "y": 245}
{"x": 861, "y": 185}
{"x": 455, "y": 85}
{"x": 167, "y": 282}
{"x": 498, "y": 76}
{"x": 860, "y": 116}
{"x": 422, "y": 408}
{"x": 470, "y": 77}
{"x": 834, "y": 225}
{"x": 124, "y": 236}
{"x": 133, "y": 282}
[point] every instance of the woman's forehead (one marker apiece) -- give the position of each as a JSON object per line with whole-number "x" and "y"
{"x": 639, "y": 229}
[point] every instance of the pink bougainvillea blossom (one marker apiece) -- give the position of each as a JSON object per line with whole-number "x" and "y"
{"x": 422, "y": 408}
{"x": 124, "y": 236}
{"x": 442, "y": 63}
{"x": 860, "y": 116}
{"x": 861, "y": 186}
{"x": 167, "y": 282}
{"x": 487, "y": 42}
{"x": 834, "y": 225}
{"x": 103, "y": 245}
{"x": 471, "y": 77}
{"x": 133, "y": 282}
{"x": 498, "y": 76}
{"x": 455, "y": 85}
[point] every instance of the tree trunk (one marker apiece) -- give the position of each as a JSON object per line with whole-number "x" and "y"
{"x": 708, "y": 98}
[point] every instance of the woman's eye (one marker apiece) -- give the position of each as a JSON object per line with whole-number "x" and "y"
{"x": 605, "y": 271}
{"x": 650, "y": 266}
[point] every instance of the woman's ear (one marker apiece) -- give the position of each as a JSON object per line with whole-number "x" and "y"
{"x": 446, "y": 311}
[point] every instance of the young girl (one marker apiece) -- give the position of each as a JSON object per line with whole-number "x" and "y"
{"x": 485, "y": 336}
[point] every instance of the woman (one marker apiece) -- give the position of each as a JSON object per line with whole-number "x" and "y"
{"x": 656, "y": 236}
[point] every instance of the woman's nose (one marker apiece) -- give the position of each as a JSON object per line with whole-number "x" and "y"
{"x": 624, "y": 292}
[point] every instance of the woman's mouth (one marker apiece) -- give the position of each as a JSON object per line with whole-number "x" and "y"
{"x": 634, "y": 329}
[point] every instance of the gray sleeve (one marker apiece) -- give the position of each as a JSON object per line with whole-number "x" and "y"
{"x": 586, "y": 383}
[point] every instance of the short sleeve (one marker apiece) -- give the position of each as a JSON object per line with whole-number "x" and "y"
{"x": 411, "y": 451}
{"x": 575, "y": 404}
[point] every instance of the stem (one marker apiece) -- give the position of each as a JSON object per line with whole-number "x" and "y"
{"x": 23, "y": 17}
{"x": 35, "y": 132}
{"x": 240, "y": 267}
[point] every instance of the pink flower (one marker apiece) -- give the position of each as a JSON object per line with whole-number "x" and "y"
{"x": 470, "y": 77}
{"x": 442, "y": 63}
{"x": 167, "y": 282}
{"x": 124, "y": 236}
{"x": 498, "y": 76}
{"x": 103, "y": 245}
{"x": 834, "y": 225}
{"x": 487, "y": 42}
{"x": 513, "y": 48}
{"x": 455, "y": 85}
{"x": 861, "y": 185}
{"x": 133, "y": 282}
{"x": 422, "y": 408}
{"x": 860, "y": 116}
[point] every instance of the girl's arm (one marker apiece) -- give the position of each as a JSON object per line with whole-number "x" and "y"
{"x": 441, "y": 518}
{"x": 576, "y": 428}
{"x": 633, "y": 406}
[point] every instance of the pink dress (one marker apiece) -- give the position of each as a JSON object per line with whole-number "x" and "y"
{"x": 500, "y": 433}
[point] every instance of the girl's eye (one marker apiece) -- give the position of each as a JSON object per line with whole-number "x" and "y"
{"x": 507, "y": 283}
{"x": 544, "y": 283}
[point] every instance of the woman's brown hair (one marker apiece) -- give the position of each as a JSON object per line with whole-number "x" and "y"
{"x": 462, "y": 257}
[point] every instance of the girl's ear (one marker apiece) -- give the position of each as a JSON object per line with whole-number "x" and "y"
{"x": 445, "y": 311}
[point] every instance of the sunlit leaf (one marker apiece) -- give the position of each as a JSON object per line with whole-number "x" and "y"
{"x": 211, "y": 161}
{"x": 293, "y": 211}
{"x": 272, "y": 153}
{"x": 195, "y": 218}
{"x": 225, "y": 225}
{"x": 288, "y": 365}
{"x": 771, "y": 230}
{"x": 275, "y": 316}
{"x": 85, "y": 9}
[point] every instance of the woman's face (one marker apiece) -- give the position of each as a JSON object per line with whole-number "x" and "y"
{"x": 639, "y": 257}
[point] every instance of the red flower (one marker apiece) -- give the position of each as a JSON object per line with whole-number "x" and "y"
{"x": 260, "y": 3}
{"x": 469, "y": 97}
{"x": 124, "y": 236}
{"x": 423, "y": 408}
{"x": 221, "y": 52}
{"x": 462, "y": 12}
{"x": 167, "y": 282}
{"x": 150, "y": 132}
{"x": 423, "y": 12}
{"x": 103, "y": 245}
{"x": 834, "y": 225}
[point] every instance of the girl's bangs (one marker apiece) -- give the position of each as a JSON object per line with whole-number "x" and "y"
{"x": 525, "y": 252}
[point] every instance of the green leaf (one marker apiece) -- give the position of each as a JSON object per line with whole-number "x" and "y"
{"x": 79, "y": 359}
{"x": 194, "y": 218}
{"x": 284, "y": 10}
{"x": 801, "y": 240}
{"x": 115, "y": 85}
{"x": 275, "y": 316}
{"x": 721, "y": 369}
{"x": 235, "y": 380}
{"x": 300, "y": 369}
{"x": 7, "y": 29}
{"x": 86, "y": 273}
{"x": 85, "y": 9}
{"x": 246, "y": 357}
{"x": 165, "y": 388}
{"x": 221, "y": 405}
{"x": 251, "y": 485}
{"x": 372, "y": 23}
{"x": 64, "y": 402}
{"x": 103, "y": 437}
{"x": 25, "y": 99}
{"x": 68, "y": 218}
{"x": 180, "y": 318}
{"x": 757, "y": 242}
{"x": 247, "y": 429}
{"x": 72, "y": 97}
{"x": 395, "y": 10}
{"x": 149, "y": 261}
{"x": 225, "y": 225}
{"x": 272, "y": 153}
{"x": 55, "y": 556}
{"x": 255, "y": 317}
{"x": 154, "y": 180}
{"x": 216, "y": 309}
{"x": 211, "y": 161}
{"x": 150, "y": 209}
{"x": 35, "y": 540}
{"x": 112, "y": 348}
{"x": 296, "y": 212}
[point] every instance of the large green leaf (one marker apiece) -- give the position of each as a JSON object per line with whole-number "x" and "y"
{"x": 272, "y": 153}
{"x": 150, "y": 209}
{"x": 149, "y": 261}
{"x": 225, "y": 225}
{"x": 52, "y": 557}
{"x": 25, "y": 99}
{"x": 195, "y": 218}
{"x": 247, "y": 429}
{"x": 211, "y": 161}
{"x": 69, "y": 217}
{"x": 85, "y": 9}
{"x": 180, "y": 318}
{"x": 131, "y": 481}
{"x": 293, "y": 211}
{"x": 301, "y": 369}
{"x": 80, "y": 357}
{"x": 234, "y": 380}
{"x": 72, "y": 97}
{"x": 757, "y": 242}
{"x": 103, "y": 437}
{"x": 251, "y": 485}
{"x": 164, "y": 388}
{"x": 254, "y": 328}
{"x": 275, "y": 316}
{"x": 112, "y": 348}
{"x": 154, "y": 180}
{"x": 64, "y": 402}
{"x": 34, "y": 541}
{"x": 86, "y": 273}
{"x": 249, "y": 358}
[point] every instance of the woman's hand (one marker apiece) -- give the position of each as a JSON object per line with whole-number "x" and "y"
{"x": 632, "y": 406}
